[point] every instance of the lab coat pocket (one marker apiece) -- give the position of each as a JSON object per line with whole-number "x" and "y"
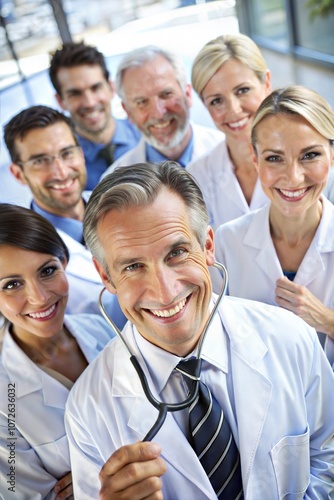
{"x": 291, "y": 462}
{"x": 55, "y": 457}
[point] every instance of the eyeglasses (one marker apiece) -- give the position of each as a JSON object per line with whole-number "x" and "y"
{"x": 45, "y": 162}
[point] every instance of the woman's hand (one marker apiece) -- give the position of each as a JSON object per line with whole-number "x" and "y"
{"x": 299, "y": 300}
{"x": 64, "y": 488}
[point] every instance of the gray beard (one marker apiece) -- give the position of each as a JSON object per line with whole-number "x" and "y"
{"x": 174, "y": 142}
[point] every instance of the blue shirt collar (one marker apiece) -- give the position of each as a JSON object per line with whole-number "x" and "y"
{"x": 120, "y": 138}
{"x": 154, "y": 155}
{"x": 72, "y": 227}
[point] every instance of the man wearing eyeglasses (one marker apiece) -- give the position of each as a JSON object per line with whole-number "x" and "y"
{"x": 46, "y": 157}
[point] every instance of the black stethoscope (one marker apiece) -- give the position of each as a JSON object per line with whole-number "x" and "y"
{"x": 162, "y": 407}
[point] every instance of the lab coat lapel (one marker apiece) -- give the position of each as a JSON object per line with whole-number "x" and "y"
{"x": 231, "y": 188}
{"x": 258, "y": 198}
{"x": 247, "y": 352}
{"x": 313, "y": 264}
{"x": 175, "y": 448}
{"x": 258, "y": 237}
{"x": 32, "y": 379}
{"x": 180, "y": 455}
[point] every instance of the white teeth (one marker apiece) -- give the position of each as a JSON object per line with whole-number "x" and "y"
{"x": 293, "y": 194}
{"x": 65, "y": 185}
{"x": 168, "y": 313}
{"x": 43, "y": 314}
{"x": 91, "y": 114}
{"x": 240, "y": 123}
{"x": 161, "y": 124}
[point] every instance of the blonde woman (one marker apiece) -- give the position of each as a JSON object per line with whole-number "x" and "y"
{"x": 283, "y": 253}
{"x": 231, "y": 77}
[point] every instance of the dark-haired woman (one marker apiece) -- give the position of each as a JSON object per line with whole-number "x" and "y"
{"x": 43, "y": 352}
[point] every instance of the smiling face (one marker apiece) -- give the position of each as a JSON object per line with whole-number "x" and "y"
{"x": 56, "y": 189}
{"x": 87, "y": 95}
{"x": 158, "y": 270}
{"x": 156, "y": 104}
{"x": 33, "y": 292}
{"x": 232, "y": 97}
{"x": 293, "y": 162}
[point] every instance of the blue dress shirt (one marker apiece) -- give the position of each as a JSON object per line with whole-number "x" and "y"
{"x": 126, "y": 137}
{"x": 155, "y": 156}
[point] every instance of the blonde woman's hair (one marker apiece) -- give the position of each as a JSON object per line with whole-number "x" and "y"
{"x": 301, "y": 101}
{"x": 216, "y": 52}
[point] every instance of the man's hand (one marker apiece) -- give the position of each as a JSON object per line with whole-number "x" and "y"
{"x": 64, "y": 488}
{"x": 133, "y": 472}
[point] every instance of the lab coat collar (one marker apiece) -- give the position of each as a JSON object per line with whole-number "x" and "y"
{"x": 258, "y": 236}
{"x": 230, "y": 186}
{"x": 20, "y": 367}
{"x": 245, "y": 343}
{"x": 87, "y": 344}
{"x": 80, "y": 263}
{"x": 259, "y": 219}
{"x": 232, "y": 189}
{"x": 313, "y": 263}
{"x": 326, "y": 227}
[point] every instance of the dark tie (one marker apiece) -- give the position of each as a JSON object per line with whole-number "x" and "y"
{"x": 107, "y": 153}
{"x": 212, "y": 438}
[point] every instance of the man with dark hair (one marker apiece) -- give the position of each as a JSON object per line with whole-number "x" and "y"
{"x": 80, "y": 77}
{"x": 47, "y": 157}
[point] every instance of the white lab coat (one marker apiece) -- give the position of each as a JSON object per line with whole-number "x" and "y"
{"x": 214, "y": 172}
{"x": 329, "y": 188}
{"x": 246, "y": 248}
{"x": 283, "y": 397}
{"x": 39, "y": 442}
{"x": 85, "y": 284}
{"x": 205, "y": 138}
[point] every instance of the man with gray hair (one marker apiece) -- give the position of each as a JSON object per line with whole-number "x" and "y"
{"x": 259, "y": 421}
{"x": 153, "y": 86}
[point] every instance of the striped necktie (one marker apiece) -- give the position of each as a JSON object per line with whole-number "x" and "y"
{"x": 212, "y": 438}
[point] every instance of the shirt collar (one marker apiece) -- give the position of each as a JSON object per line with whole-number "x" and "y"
{"x": 120, "y": 138}
{"x": 120, "y": 135}
{"x": 154, "y": 155}
{"x": 162, "y": 363}
{"x": 72, "y": 227}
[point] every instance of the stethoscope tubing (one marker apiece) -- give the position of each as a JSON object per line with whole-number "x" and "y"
{"x": 161, "y": 406}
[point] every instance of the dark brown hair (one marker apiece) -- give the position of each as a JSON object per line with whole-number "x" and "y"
{"x": 75, "y": 54}
{"x": 29, "y": 119}
{"x": 23, "y": 228}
